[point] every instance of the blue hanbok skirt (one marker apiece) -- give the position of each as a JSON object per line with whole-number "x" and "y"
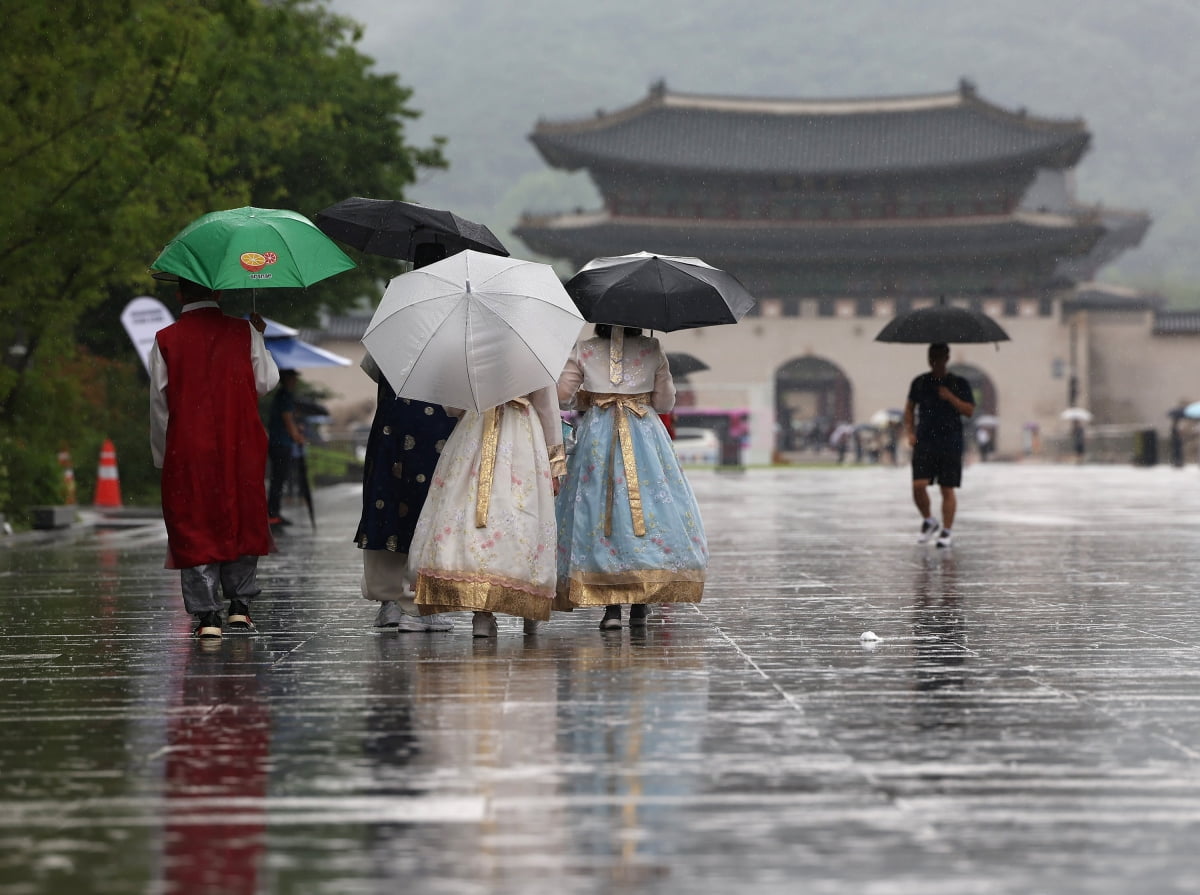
{"x": 602, "y": 559}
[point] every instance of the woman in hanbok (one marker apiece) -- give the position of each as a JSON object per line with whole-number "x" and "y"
{"x": 629, "y": 529}
{"x": 485, "y": 538}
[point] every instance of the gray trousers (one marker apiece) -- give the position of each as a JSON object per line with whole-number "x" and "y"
{"x": 386, "y": 577}
{"x": 202, "y": 584}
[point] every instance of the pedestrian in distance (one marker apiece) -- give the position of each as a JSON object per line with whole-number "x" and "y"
{"x": 207, "y": 372}
{"x": 406, "y": 439}
{"x": 485, "y": 539}
{"x": 284, "y": 438}
{"x": 933, "y": 414}
{"x": 629, "y": 528}
{"x": 1078, "y": 440}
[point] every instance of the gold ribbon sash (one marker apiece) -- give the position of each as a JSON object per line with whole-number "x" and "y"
{"x": 487, "y": 461}
{"x": 622, "y": 439}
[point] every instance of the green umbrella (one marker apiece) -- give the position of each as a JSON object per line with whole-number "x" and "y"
{"x": 251, "y": 248}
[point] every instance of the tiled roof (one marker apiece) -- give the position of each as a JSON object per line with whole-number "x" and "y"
{"x": 591, "y": 235}
{"x": 779, "y": 136}
{"x": 1109, "y": 297}
{"x": 1177, "y": 323}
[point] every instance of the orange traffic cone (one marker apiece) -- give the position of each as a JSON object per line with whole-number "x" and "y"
{"x": 108, "y": 482}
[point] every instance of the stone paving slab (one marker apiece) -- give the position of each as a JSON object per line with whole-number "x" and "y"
{"x": 1029, "y": 721}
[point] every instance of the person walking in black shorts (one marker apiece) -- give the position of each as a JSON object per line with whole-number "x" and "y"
{"x": 937, "y": 402}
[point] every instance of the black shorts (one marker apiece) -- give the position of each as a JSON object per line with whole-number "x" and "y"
{"x": 937, "y": 466}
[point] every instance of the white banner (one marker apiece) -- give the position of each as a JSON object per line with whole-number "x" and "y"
{"x": 142, "y": 318}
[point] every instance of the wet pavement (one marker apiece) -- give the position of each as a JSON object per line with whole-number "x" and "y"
{"x": 1029, "y": 721}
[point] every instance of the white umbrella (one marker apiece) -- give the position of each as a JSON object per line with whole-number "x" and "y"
{"x": 1076, "y": 414}
{"x": 473, "y": 331}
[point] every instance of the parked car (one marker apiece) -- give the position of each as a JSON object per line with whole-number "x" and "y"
{"x": 697, "y": 446}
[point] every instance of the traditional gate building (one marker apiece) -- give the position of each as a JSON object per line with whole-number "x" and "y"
{"x": 838, "y": 214}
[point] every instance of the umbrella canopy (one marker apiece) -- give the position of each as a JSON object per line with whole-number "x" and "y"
{"x": 682, "y": 364}
{"x": 393, "y": 229}
{"x": 291, "y": 353}
{"x": 473, "y": 331}
{"x": 942, "y": 323}
{"x": 1192, "y": 411}
{"x": 1076, "y": 414}
{"x": 251, "y": 248}
{"x": 661, "y": 292}
{"x": 885, "y": 416}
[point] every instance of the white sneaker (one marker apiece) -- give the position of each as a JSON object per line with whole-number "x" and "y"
{"x": 531, "y": 625}
{"x": 483, "y": 625}
{"x": 439, "y": 622}
{"x": 929, "y": 531}
{"x": 412, "y": 623}
{"x": 389, "y": 615}
{"x": 945, "y": 539}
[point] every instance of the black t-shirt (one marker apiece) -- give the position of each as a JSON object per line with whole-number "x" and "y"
{"x": 939, "y": 425}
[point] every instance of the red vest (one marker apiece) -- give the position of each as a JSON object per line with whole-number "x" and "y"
{"x": 214, "y": 501}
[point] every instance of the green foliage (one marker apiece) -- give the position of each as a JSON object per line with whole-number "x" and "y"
{"x": 120, "y": 122}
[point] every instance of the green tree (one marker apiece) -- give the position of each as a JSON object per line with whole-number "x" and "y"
{"x": 121, "y": 121}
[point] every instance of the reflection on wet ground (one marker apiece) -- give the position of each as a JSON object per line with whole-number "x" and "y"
{"x": 1029, "y": 720}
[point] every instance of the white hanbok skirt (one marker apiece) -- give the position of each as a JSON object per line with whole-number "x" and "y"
{"x": 508, "y": 564}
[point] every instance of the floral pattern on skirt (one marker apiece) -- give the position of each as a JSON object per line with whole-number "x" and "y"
{"x": 665, "y": 565}
{"x": 508, "y": 565}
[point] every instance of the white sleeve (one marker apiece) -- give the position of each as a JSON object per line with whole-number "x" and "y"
{"x": 266, "y": 374}
{"x": 546, "y": 407}
{"x": 159, "y": 412}
{"x": 663, "y": 399}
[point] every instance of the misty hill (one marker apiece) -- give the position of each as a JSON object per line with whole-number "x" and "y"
{"x": 485, "y": 72}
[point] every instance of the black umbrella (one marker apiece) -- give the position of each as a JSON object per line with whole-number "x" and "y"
{"x": 394, "y": 229}
{"x": 942, "y": 323}
{"x": 659, "y": 292}
{"x": 682, "y": 364}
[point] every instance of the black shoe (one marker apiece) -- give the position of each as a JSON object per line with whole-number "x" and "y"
{"x": 239, "y": 617}
{"x": 612, "y": 618}
{"x": 638, "y": 613}
{"x": 208, "y": 626}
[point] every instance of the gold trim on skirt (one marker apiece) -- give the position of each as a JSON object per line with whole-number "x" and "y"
{"x": 634, "y": 586}
{"x": 478, "y": 594}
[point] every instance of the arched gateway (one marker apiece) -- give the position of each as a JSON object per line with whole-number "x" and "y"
{"x": 982, "y": 388}
{"x": 812, "y": 395}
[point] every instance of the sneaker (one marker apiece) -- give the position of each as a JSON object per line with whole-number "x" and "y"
{"x": 239, "y": 618}
{"x": 531, "y": 625}
{"x": 389, "y": 615}
{"x": 483, "y": 625}
{"x": 413, "y": 624}
{"x": 612, "y": 618}
{"x": 945, "y": 539}
{"x": 638, "y": 613}
{"x": 929, "y": 531}
{"x": 439, "y": 622}
{"x": 208, "y": 625}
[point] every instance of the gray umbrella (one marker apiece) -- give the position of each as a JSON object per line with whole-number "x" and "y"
{"x": 942, "y": 323}
{"x": 661, "y": 292}
{"x": 394, "y": 229}
{"x": 683, "y": 364}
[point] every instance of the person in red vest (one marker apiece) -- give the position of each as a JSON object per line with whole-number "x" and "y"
{"x": 207, "y": 371}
